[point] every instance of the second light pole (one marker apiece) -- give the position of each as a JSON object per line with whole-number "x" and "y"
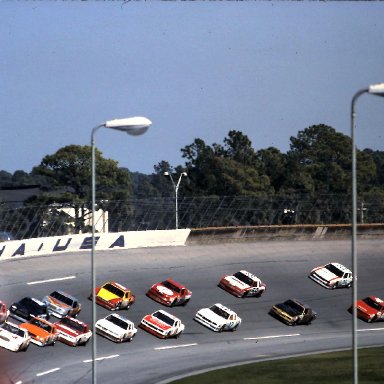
{"x": 376, "y": 89}
{"x": 176, "y": 189}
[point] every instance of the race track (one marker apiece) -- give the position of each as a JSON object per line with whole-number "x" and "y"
{"x": 283, "y": 266}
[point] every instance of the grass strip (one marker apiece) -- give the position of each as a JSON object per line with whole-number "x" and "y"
{"x": 329, "y": 368}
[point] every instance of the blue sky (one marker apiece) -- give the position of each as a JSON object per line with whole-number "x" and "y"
{"x": 196, "y": 69}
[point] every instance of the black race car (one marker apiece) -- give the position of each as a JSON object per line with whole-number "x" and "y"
{"x": 27, "y": 308}
{"x": 293, "y": 312}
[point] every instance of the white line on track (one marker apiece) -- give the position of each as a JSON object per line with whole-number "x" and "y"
{"x": 271, "y": 337}
{"x": 50, "y": 280}
{"x": 101, "y": 358}
{"x": 370, "y": 329}
{"x": 47, "y": 372}
{"x": 176, "y": 346}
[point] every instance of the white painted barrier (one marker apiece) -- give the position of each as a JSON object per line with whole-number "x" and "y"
{"x": 103, "y": 241}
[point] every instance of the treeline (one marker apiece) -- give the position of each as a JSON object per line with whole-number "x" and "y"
{"x": 317, "y": 164}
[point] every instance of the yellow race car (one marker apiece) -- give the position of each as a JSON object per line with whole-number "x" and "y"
{"x": 114, "y": 296}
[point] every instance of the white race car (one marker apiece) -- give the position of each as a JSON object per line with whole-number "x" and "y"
{"x": 13, "y": 337}
{"x": 116, "y": 328}
{"x": 242, "y": 284}
{"x": 218, "y": 318}
{"x": 162, "y": 324}
{"x": 72, "y": 331}
{"x": 332, "y": 275}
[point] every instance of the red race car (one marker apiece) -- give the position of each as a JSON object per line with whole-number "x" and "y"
{"x": 114, "y": 296}
{"x": 72, "y": 331}
{"x": 370, "y": 309}
{"x": 170, "y": 293}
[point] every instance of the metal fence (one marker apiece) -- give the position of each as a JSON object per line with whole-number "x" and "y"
{"x": 27, "y": 221}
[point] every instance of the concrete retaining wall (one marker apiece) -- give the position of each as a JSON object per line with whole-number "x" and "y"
{"x": 179, "y": 237}
{"x": 103, "y": 241}
{"x": 283, "y": 232}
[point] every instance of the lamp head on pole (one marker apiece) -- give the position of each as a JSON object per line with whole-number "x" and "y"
{"x": 134, "y": 126}
{"x": 377, "y": 89}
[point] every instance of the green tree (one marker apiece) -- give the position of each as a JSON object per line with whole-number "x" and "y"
{"x": 319, "y": 161}
{"x": 224, "y": 170}
{"x": 273, "y": 164}
{"x": 68, "y": 174}
{"x": 239, "y": 148}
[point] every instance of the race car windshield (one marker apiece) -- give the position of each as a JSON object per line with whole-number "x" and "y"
{"x": 171, "y": 286}
{"x": 15, "y": 330}
{"x": 371, "y": 303}
{"x": 244, "y": 278}
{"x": 293, "y": 305}
{"x": 72, "y": 324}
{"x": 32, "y": 305}
{"x": 336, "y": 271}
{"x": 42, "y": 325}
{"x": 163, "y": 317}
{"x": 219, "y": 311}
{"x": 113, "y": 289}
{"x": 119, "y": 322}
{"x": 64, "y": 299}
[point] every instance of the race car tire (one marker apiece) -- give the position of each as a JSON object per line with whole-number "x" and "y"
{"x": 371, "y": 319}
{"x": 131, "y": 338}
{"x": 185, "y": 302}
{"x": 23, "y": 349}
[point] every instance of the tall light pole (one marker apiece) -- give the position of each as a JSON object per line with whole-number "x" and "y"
{"x": 176, "y": 188}
{"x": 377, "y": 89}
{"x": 134, "y": 126}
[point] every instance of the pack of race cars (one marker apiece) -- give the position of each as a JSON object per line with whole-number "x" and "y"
{"x": 35, "y": 314}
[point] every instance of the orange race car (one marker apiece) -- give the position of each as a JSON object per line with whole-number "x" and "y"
{"x": 42, "y": 332}
{"x": 114, "y": 296}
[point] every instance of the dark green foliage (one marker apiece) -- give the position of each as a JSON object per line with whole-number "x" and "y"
{"x": 227, "y": 184}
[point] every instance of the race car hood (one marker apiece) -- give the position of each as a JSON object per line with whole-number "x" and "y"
{"x": 157, "y": 322}
{"x": 109, "y": 325}
{"x": 164, "y": 291}
{"x": 364, "y": 307}
{"x": 67, "y": 330}
{"x": 58, "y": 303}
{"x": 35, "y": 330}
{"x": 236, "y": 282}
{"x": 325, "y": 274}
{"x": 212, "y": 316}
{"x": 107, "y": 295}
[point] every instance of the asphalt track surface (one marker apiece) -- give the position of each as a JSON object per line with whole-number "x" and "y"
{"x": 283, "y": 266}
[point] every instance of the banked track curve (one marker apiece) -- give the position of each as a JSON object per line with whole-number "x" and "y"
{"x": 283, "y": 266}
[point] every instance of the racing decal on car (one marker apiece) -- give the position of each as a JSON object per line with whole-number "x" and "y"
{"x": 164, "y": 291}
